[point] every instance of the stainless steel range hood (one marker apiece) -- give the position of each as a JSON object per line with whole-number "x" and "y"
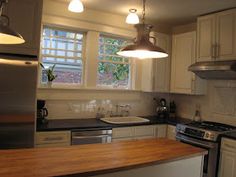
{"x": 225, "y": 70}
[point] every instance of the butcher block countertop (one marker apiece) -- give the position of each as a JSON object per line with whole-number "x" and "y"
{"x": 86, "y": 160}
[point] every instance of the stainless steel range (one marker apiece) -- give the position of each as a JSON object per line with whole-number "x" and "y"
{"x": 204, "y": 135}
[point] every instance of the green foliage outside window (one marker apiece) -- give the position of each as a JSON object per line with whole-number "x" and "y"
{"x": 113, "y": 70}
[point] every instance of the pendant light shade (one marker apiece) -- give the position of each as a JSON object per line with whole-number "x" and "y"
{"x": 76, "y": 6}
{"x": 132, "y": 17}
{"x": 8, "y": 36}
{"x": 142, "y": 48}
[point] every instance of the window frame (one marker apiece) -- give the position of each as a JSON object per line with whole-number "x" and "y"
{"x": 83, "y": 59}
{"x": 130, "y": 63}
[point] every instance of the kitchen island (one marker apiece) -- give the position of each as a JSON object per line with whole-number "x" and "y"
{"x": 153, "y": 157}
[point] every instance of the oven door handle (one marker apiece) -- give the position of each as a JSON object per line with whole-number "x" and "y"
{"x": 195, "y": 142}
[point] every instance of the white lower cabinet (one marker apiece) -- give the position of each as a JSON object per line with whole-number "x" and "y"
{"x": 139, "y": 132}
{"x": 227, "y": 166}
{"x": 171, "y": 132}
{"x": 53, "y": 139}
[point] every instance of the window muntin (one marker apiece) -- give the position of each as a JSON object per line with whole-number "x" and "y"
{"x": 63, "y": 48}
{"x": 113, "y": 70}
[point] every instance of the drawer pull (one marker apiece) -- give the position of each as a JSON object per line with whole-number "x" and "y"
{"x": 53, "y": 139}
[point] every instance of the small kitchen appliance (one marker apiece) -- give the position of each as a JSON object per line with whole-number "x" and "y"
{"x": 42, "y": 112}
{"x": 162, "y": 109}
{"x": 205, "y": 135}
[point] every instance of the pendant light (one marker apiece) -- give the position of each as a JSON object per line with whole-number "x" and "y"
{"x": 76, "y": 6}
{"x": 7, "y": 35}
{"x": 132, "y": 17}
{"x": 142, "y": 48}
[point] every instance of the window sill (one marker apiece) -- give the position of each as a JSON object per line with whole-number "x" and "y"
{"x": 80, "y": 87}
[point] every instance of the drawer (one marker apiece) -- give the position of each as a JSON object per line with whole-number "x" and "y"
{"x": 147, "y": 131}
{"x": 122, "y": 132}
{"x": 54, "y": 137}
{"x": 228, "y": 144}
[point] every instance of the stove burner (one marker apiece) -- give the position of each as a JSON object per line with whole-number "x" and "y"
{"x": 213, "y": 126}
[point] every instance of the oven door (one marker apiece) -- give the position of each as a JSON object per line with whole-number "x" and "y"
{"x": 210, "y": 160}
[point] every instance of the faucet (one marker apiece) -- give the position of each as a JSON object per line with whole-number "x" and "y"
{"x": 123, "y": 112}
{"x": 100, "y": 113}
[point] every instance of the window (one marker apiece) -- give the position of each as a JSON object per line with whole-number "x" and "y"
{"x": 113, "y": 70}
{"x": 64, "y": 50}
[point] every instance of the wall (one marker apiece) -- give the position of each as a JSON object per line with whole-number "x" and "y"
{"x": 219, "y": 104}
{"x": 83, "y": 103}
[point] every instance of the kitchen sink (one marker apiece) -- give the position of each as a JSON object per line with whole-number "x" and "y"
{"x": 124, "y": 120}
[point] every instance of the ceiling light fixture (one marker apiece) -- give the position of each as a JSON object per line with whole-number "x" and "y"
{"x": 132, "y": 17}
{"x": 142, "y": 48}
{"x": 7, "y": 35}
{"x": 76, "y": 6}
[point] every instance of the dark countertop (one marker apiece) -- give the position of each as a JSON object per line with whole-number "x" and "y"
{"x": 231, "y": 135}
{"x": 92, "y": 123}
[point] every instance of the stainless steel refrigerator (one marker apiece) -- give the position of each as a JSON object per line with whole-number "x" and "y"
{"x": 18, "y": 80}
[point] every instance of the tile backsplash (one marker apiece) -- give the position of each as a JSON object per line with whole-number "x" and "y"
{"x": 218, "y": 105}
{"x": 80, "y": 104}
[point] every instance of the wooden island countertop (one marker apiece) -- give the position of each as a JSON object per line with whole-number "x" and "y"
{"x": 86, "y": 160}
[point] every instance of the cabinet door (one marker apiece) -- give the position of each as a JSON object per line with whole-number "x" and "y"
{"x": 25, "y": 18}
{"x": 226, "y": 35}
{"x": 183, "y": 55}
{"x": 162, "y": 65}
{"x": 171, "y": 132}
{"x": 227, "y": 164}
{"x": 161, "y": 131}
{"x": 141, "y": 132}
{"x": 147, "y": 75}
{"x": 123, "y": 132}
{"x": 206, "y": 38}
{"x": 156, "y": 72}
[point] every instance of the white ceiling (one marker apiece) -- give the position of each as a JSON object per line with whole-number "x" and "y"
{"x": 172, "y": 12}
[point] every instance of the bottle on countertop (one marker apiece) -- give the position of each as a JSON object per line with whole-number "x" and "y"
{"x": 172, "y": 110}
{"x": 197, "y": 115}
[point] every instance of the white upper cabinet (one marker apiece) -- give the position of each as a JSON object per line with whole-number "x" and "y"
{"x": 226, "y": 35}
{"x": 25, "y": 18}
{"x": 183, "y": 55}
{"x": 217, "y": 36}
{"x": 205, "y": 38}
{"x": 156, "y": 72}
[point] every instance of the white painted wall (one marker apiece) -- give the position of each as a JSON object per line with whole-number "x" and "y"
{"x": 83, "y": 103}
{"x": 218, "y": 105}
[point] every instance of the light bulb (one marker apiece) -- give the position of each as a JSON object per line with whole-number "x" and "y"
{"x": 76, "y": 6}
{"x": 132, "y": 17}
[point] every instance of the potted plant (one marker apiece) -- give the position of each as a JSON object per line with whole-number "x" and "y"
{"x": 50, "y": 73}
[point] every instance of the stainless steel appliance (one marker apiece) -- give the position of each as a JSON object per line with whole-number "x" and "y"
{"x": 215, "y": 69}
{"x": 91, "y": 136}
{"x": 204, "y": 135}
{"x": 18, "y": 78}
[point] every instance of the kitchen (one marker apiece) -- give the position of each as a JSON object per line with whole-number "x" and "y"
{"x": 77, "y": 48}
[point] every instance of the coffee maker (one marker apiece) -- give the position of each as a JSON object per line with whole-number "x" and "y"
{"x": 42, "y": 112}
